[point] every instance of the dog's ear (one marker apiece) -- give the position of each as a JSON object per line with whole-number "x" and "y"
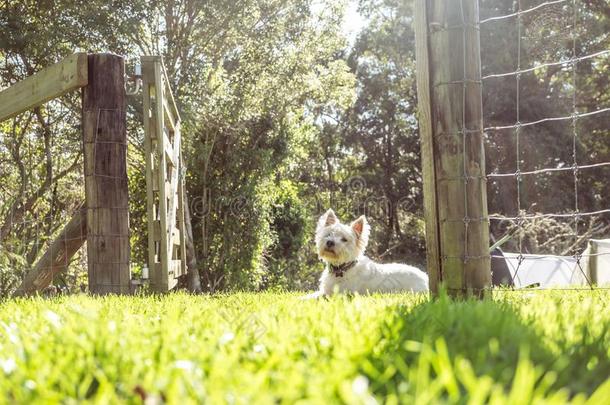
{"x": 327, "y": 219}
{"x": 362, "y": 229}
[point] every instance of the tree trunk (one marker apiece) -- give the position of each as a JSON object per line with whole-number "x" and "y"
{"x": 194, "y": 282}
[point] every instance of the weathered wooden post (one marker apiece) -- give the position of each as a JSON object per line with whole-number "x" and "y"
{"x": 453, "y": 160}
{"x": 105, "y": 162}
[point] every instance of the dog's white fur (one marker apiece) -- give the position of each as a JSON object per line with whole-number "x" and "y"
{"x": 338, "y": 244}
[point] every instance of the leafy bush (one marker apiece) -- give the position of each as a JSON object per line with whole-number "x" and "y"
{"x": 12, "y": 268}
{"x": 290, "y": 259}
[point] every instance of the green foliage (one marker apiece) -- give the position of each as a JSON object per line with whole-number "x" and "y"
{"x": 289, "y": 262}
{"x": 517, "y": 348}
{"x": 252, "y": 119}
{"x": 11, "y": 271}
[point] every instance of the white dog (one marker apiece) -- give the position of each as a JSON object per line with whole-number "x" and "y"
{"x": 348, "y": 270}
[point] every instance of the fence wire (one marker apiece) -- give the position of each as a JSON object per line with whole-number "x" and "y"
{"x": 42, "y": 186}
{"x": 574, "y": 214}
{"x": 43, "y": 190}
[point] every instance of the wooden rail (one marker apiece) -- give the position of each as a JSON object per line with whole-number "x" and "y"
{"x": 54, "y": 81}
{"x": 427, "y": 146}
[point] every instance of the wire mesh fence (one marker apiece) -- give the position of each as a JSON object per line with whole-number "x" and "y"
{"x": 547, "y": 134}
{"x": 42, "y": 176}
{"x": 540, "y": 80}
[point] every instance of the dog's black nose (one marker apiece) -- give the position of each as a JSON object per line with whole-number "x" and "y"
{"x": 330, "y": 243}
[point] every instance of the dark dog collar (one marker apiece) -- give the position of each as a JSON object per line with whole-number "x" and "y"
{"x": 338, "y": 271}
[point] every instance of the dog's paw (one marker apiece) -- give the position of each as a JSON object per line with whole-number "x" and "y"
{"x": 313, "y": 296}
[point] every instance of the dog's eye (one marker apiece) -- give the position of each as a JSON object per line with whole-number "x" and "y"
{"x": 344, "y": 239}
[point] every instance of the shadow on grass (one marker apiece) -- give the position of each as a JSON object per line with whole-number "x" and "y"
{"x": 492, "y": 337}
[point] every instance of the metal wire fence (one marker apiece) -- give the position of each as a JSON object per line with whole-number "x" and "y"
{"x": 533, "y": 71}
{"x": 41, "y": 168}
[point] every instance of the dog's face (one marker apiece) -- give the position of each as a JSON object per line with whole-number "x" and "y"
{"x": 338, "y": 243}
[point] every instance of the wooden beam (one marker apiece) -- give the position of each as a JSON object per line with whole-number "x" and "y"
{"x": 171, "y": 281}
{"x": 156, "y": 230}
{"x": 106, "y": 191}
{"x": 57, "y": 257}
{"x": 169, "y": 151}
{"x": 174, "y": 270}
{"x": 455, "y": 143}
{"x": 433, "y": 264}
{"x": 182, "y": 216}
{"x": 593, "y": 262}
{"x": 54, "y": 81}
{"x": 176, "y": 237}
{"x": 152, "y": 184}
{"x": 169, "y": 117}
{"x": 174, "y": 179}
{"x": 159, "y": 279}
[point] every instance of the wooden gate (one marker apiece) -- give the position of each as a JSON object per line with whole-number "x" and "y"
{"x": 164, "y": 178}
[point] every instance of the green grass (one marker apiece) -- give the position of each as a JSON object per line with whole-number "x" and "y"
{"x": 519, "y": 348}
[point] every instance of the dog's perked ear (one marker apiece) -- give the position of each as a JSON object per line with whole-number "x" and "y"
{"x": 362, "y": 229}
{"x": 327, "y": 219}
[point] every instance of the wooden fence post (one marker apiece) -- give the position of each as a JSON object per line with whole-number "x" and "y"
{"x": 453, "y": 159}
{"x": 105, "y": 150}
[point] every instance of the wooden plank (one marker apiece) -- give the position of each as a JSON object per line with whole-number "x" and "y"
{"x": 151, "y": 178}
{"x": 160, "y": 281}
{"x": 182, "y": 217}
{"x": 593, "y": 262}
{"x": 52, "y": 82}
{"x": 153, "y": 108}
{"x": 152, "y": 59}
{"x": 155, "y": 179}
{"x": 174, "y": 269}
{"x": 105, "y": 163}
{"x": 169, "y": 117}
{"x": 170, "y": 107}
{"x": 173, "y": 202}
{"x": 175, "y": 234}
{"x": 176, "y": 237}
{"x": 169, "y": 151}
{"x": 461, "y": 197}
{"x": 172, "y": 281}
{"x": 156, "y": 231}
{"x": 433, "y": 264}
{"x": 171, "y": 102}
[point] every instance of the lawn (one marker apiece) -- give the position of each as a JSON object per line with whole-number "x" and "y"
{"x": 516, "y": 348}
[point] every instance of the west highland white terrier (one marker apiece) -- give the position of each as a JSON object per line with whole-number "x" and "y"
{"x": 349, "y": 270}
